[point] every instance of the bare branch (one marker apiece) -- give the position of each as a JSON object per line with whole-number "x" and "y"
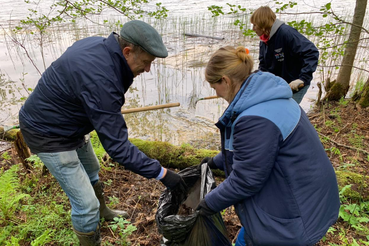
{"x": 343, "y": 145}
{"x": 336, "y": 17}
{"x": 358, "y": 68}
{"x": 349, "y": 23}
{"x": 23, "y": 47}
{"x": 333, "y": 46}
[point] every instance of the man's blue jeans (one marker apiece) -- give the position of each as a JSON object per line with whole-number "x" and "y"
{"x": 240, "y": 241}
{"x": 76, "y": 171}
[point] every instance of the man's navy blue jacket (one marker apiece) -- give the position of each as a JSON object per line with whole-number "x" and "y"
{"x": 279, "y": 178}
{"x": 288, "y": 54}
{"x": 81, "y": 91}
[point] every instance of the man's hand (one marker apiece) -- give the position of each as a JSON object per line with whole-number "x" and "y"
{"x": 204, "y": 210}
{"x": 209, "y": 161}
{"x": 172, "y": 179}
{"x": 297, "y": 84}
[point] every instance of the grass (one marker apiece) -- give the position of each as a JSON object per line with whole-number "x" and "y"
{"x": 35, "y": 211}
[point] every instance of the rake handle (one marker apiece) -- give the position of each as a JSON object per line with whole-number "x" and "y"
{"x": 211, "y": 97}
{"x": 146, "y": 108}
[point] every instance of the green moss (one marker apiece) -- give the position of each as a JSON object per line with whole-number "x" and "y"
{"x": 335, "y": 93}
{"x": 364, "y": 102}
{"x": 359, "y": 190}
{"x": 9, "y": 135}
{"x": 173, "y": 156}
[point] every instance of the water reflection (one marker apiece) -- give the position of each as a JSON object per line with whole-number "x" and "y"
{"x": 178, "y": 78}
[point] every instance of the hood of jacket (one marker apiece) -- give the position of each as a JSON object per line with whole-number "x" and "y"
{"x": 259, "y": 87}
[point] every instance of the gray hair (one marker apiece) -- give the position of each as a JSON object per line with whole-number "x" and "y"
{"x": 124, "y": 43}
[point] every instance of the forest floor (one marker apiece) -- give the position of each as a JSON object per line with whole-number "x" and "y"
{"x": 344, "y": 131}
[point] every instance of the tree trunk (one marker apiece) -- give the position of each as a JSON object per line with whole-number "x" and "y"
{"x": 342, "y": 85}
{"x": 363, "y": 100}
{"x": 15, "y": 136}
{"x": 22, "y": 150}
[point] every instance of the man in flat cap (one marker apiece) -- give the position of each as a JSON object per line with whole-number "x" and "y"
{"x": 83, "y": 90}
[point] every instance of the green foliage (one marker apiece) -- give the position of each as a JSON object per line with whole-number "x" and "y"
{"x": 9, "y": 91}
{"x": 343, "y": 102}
{"x": 13, "y": 242}
{"x": 44, "y": 238}
{"x": 113, "y": 201}
{"x": 359, "y": 86}
{"x": 284, "y": 6}
{"x": 97, "y": 146}
{"x": 6, "y": 156}
{"x": 65, "y": 11}
{"x": 35, "y": 160}
{"x": 355, "y": 214}
{"x": 331, "y": 124}
{"x": 47, "y": 221}
{"x": 10, "y": 195}
{"x": 356, "y": 140}
{"x": 123, "y": 228}
{"x": 216, "y": 10}
{"x": 32, "y": 221}
{"x": 235, "y": 10}
{"x": 335, "y": 151}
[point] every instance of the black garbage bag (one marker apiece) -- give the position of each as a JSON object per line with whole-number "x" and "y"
{"x": 190, "y": 229}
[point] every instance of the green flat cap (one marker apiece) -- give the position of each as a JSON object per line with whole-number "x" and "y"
{"x": 142, "y": 34}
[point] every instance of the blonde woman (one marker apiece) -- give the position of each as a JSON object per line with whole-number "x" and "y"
{"x": 278, "y": 176}
{"x": 284, "y": 51}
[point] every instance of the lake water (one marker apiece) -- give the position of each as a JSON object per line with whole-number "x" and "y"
{"x": 177, "y": 78}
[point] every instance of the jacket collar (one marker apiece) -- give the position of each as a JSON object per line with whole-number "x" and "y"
{"x": 122, "y": 70}
{"x": 275, "y": 27}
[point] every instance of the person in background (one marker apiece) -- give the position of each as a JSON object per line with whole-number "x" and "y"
{"x": 278, "y": 176}
{"x": 82, "y": 91}
{"x": 284, "y": 51}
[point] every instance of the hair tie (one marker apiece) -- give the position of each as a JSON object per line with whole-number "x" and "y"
{"x": 247, "y": 50}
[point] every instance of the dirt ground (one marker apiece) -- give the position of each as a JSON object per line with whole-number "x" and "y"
{"x": 347, "y": 130}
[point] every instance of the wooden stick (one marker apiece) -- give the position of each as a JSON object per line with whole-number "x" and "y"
{"x": 202, "y": 36}
{"x": 343, "y": 145}
{"x": 154, "y": 107}
{"x": 205, "y": 98}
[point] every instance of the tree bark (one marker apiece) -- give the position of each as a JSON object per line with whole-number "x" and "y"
{"x": 342, "y": 85}
{"x": 22, "y": 151}
{"x": 363, "y": 100}
{"x": 15, "y": 136}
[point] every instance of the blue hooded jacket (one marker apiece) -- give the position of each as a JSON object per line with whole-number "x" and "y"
{"x": 288, "y": 54}
{"x": 279, "y": 178}
{"x": 81, "y": 91}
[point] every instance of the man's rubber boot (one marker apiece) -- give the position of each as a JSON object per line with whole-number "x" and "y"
{"x": 89, "y": 238}
{"x": 105, "y": 212}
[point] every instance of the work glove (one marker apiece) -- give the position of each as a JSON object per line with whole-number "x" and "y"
{"x": 173, "y": 180}
{"x": 204, "y": 210}
{"x": 296, "y": 85}
{"x": 210, "y": 162}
